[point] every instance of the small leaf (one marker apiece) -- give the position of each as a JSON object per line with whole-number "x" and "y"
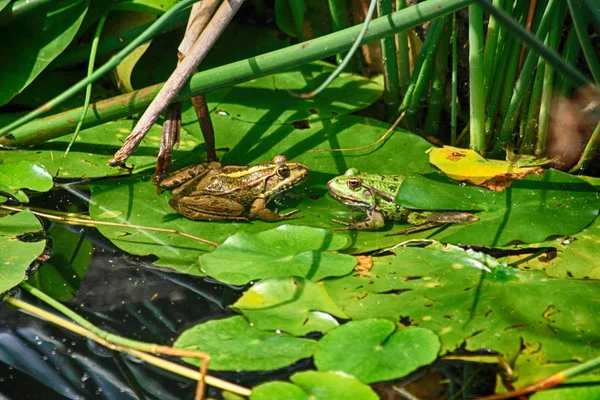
{"x": 332, "y": 386}
{"x": 287, "y": 250}
{"x": 278, "y": 390}
{"x": 292, "y": 305}
{"x": 378, "y": 354}
{"x": 23, "y": 175}
{"x": 235, "y": 345}
{"x": 467, "y": 165}
{"x": 16, "y": 255}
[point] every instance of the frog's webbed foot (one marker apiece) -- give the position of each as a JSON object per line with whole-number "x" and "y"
{"x": 347, "y": 225}
{"x": 273, "y": 216}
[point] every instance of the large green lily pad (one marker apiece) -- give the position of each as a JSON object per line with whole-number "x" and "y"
{"x": 293, "y": 305}
{"x": 284, "y": 251}
{"x": 529, "y": 211}
{"x": 506, "y": 310}
{"x": 15, "y": 254}
{"x": 234, "y": 345}
{"x": 23, "y": 175}
{"x": 378, "y": 353}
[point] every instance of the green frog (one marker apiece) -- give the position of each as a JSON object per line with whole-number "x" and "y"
{"x": 377, "y": 195}
{"x": 213, "y": 191}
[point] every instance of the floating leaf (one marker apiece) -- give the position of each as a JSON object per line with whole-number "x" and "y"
{"x": 466, "y": 165}
{"x": 23, "y": 175}
{"x": 529, "y": 211}
{"x": 580, "y": 388}
{"x": 508, "y": 311}
{"x": 378, "y": 354}
{"x": 284, "y": 251}
{"x": 36, "y": 41}
{"x": 235, "y": 345}
{"x": 315, "y": 386}
{"x": 293, "y": 305}
{"x": 278, "y": 390}
{"x": 332, "y": 386}
{"x": 577, "y": 256}
{"x": 15, "y": 254}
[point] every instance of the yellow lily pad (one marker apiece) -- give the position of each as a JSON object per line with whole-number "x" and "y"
{"x": 468, "y": 166}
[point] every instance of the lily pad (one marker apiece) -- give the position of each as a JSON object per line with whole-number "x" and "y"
{"x": 15, "y": 254}
{"x": 506, "y": 310}
{"x": 529, "y": 211}
{"x": 580, "y": 388}
{"x": 315, "y": 386}
{"x": 576, "y": 257}
{"x": 284, "y": 251}
{"x": 378, "y": 354}
{"x": 278, "y": 390}
{"x": 234, "y": 345}
{"x": 23, "y": 175}
{"x": 332, "y": 386}
{"x": 293, "y": 305}
{"x": 93, "y": 149}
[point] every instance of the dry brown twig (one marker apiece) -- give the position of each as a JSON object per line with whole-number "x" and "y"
{"x": 178, "y": 78}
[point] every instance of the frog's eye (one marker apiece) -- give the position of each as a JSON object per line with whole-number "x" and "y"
{"x": 354, "y": 183}
{"x": 283, "y": 171}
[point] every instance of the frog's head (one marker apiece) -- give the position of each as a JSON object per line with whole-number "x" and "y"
{"x": 350, "y": 190}
{"x": 284, "y": 175}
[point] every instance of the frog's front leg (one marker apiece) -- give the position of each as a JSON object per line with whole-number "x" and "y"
{"x": 259, "y": 210}
{"x": 374, "y": 221}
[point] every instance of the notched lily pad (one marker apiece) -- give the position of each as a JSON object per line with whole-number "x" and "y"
{"x": 235, "y": 345}
{"x": 16, "y": 255}
{"x": 293, "y": 305}
{"x": 287, "y": 250}
{"x": 23, "y": 175}
{"x": 378, "y": 354}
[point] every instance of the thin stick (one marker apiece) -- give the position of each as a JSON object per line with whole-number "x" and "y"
{"x": 382, "y": 138}
{"x": 90, "y": 222}
{"x": 178, "y": 78}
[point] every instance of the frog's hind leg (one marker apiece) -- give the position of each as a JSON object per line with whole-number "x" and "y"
{"x": 208, "y": 208}
{"x": 186, "y": 174}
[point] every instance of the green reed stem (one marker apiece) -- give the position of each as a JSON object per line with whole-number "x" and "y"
{"x": 580, "y": 22}
{"x": 594, "y": 9}
{"x": 403, "y": 52}
{"x": 88, "y": 89}
{"x": 491, "y": 47}
{"x": 547, "y": 91}
{"x": 454, "y": 96}
{"x": 340, "y": 19}
{"x": 571, "y": 51}
{"x": 438, "y": 84}
{"x": 516, "y": 101}
{"x": 476, "y": 80}
{"x": 530, "y": 119}
{"x": 574, "y": 75}
{"x": 231, "y": 74}
{"x": 589, "y": 152}
{"x": 391, "y": 94}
